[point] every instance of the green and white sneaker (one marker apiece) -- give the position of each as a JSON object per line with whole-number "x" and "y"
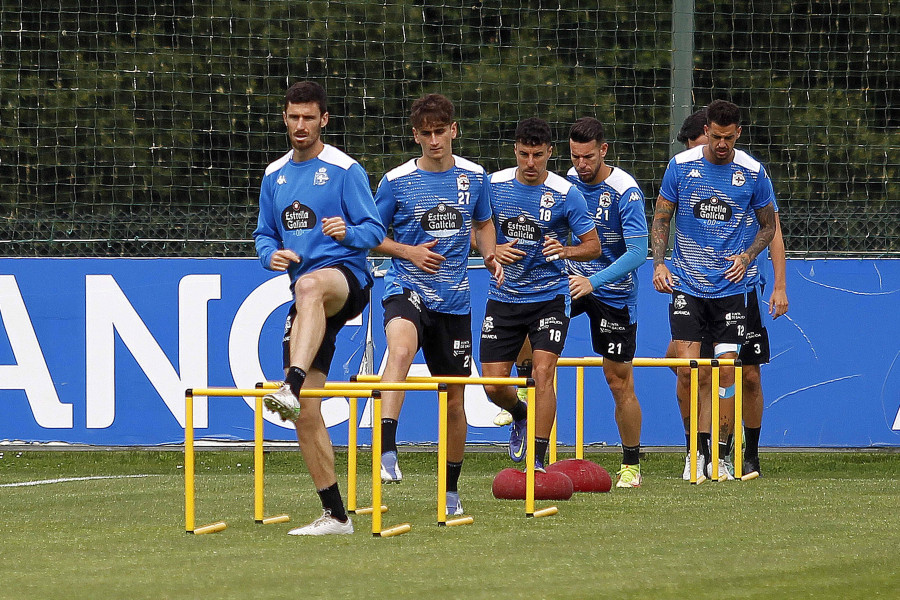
{"x": 283, "y": 402}
{"x": 726, "y": 470}
{"x": 629, "y": 476}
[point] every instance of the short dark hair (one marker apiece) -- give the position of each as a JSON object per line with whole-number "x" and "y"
{"x": 723, "y": 112}
{"x": 692, "y": 128}
{"x": 587, "y": 129}
{"x": 431, "y": 108}
{"x": 307, "y": 91}
{"x": 533, "y": 132}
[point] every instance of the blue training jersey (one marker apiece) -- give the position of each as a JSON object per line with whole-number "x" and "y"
{"x": 527, "y": 213}
{"x": 424, "y": 206}
{"x": 712, "y": 205}
{"x": 295, "y": 197}
{"x": 617, "y": 207}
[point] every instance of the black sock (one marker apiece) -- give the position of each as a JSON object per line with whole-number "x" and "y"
{"x": 519, "y": 412}
{"x": 524, "y": 370}
{"x": 295, "y": 378}
{"x": 453, "y": 471}
{"x": 540, "y": 449}
{"x": 331, "y": 501}
{"x": 751, "y": 436}
{"x": 705, "y": 439}
{"x": 631, "y": 455}
{"x": 388, "y": 435}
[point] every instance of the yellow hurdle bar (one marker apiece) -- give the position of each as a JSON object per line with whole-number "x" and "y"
{"x": 258, "y": 468}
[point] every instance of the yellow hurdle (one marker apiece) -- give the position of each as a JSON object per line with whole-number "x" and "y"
{"x": 693, "y": 364}
{"x": 442, "y": 435}
{"x": 189, "y": 458}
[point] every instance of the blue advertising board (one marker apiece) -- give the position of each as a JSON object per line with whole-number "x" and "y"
{"x": 100, "y": 351}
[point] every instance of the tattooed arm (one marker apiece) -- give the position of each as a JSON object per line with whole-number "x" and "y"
{"x": 766, "y": 218}
{"x": 659, "y": 239}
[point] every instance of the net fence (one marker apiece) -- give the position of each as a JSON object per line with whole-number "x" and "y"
{"x": 143, "y": 128}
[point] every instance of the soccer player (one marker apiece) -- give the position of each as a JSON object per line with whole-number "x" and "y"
{"x": 713, "y": 189}
{"x": 317, "y": 220}
{"x": 606, "y": 288}
{"x": 756, "y": 351}
{"x": 535, "y": 211}
{"x": 433, "y": 202}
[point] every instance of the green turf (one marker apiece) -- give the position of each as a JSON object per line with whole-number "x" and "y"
{"x": 819, "y": 525}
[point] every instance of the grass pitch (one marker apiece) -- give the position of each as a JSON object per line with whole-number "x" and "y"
{"x": 819, "y": 525}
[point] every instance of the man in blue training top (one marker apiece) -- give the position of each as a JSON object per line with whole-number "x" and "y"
{"x": 606, "y": 288}
{"x": 711, "y": 188}
{"x": 317, "y": 221}
{"x": 535, "y": 211}
{"x": 434, "y": 202}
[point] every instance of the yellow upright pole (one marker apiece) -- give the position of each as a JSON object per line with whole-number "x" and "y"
{"x": 529, "y": 456}
{"x": 189, "y": 463}
{"x": 693, "y": 427}
{"x": 351, "y": 456}
{"x": 714, "y": 432}
{"x": 738, "y": 420}
{"x": 552, "y": 442}
{"x": 258, "y": 460}
{"x": 442, "y": 459}
{"x": 579, "y": 412}
{"x": 376, "y": 464}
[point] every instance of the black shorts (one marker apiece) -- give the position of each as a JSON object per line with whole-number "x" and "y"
{"x": 755, "y": 349}
{"x": 721, "y": 320}
{"x": 613, "y": 335}
{"x": 445, "y": 339}
{"x": 507, "y": 324}
{"x": 357, "y": 299}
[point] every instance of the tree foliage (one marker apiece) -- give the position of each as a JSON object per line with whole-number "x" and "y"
{"x": 142, "y": 129}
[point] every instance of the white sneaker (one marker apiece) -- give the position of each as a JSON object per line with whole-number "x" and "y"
{"x": 390, "y": 468}
{"x": 324, "y": 525}
{"x": 503, "y": 418}
{"x": 454, "y": 506}
{"x": 726, "y": 470}
{"x": 701, "y": 466}
{"x": 283, "y": 402}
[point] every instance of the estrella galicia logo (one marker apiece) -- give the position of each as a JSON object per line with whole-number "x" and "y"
{"x": 442, "y": 221}
{"x": 713, "y": 209}
{"x": 298, "y": 216}
{"x": 321, "y": 176}
{"x": 521, "y": 228}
